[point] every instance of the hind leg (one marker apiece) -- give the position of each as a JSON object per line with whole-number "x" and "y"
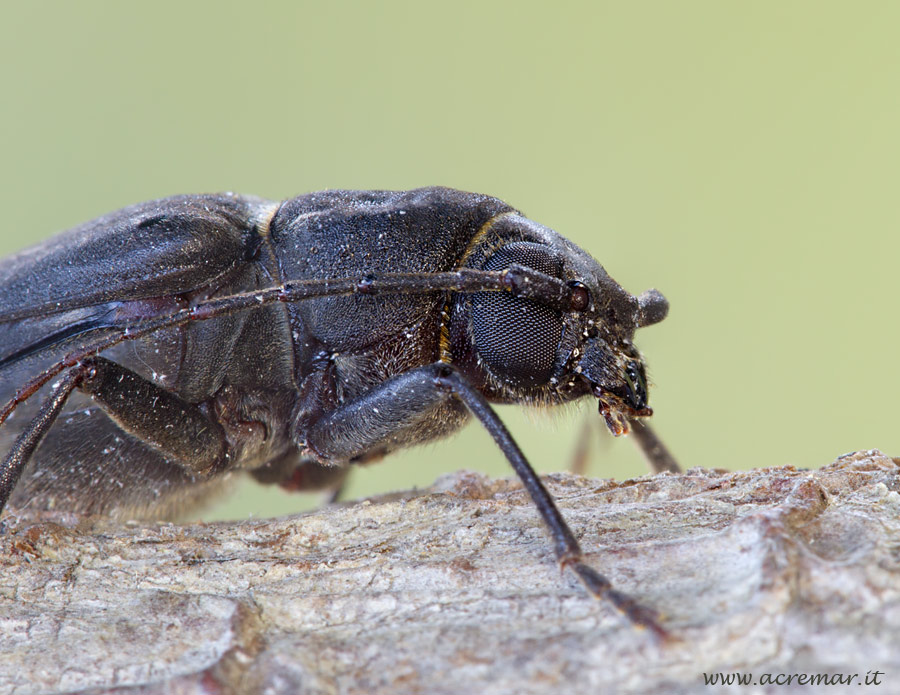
{"x": 179, "y": 430}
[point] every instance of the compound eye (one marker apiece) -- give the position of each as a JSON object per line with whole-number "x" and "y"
{"x": 518, "y": 338}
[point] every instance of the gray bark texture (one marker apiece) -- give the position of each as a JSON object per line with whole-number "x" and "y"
{"x": 454, "y": 589}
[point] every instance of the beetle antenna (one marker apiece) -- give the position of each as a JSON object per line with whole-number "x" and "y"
{"x": 518, "y": 280}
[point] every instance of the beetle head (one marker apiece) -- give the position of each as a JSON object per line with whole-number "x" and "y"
{"x": 518, "y": 350}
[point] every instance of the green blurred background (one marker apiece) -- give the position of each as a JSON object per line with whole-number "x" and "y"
{"x": 743, "y": 158}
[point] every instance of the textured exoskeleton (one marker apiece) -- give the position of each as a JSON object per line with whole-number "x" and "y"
{"x": 148, "y": 355}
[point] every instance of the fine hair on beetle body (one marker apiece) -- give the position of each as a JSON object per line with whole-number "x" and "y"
{"x": 147, "y": 355}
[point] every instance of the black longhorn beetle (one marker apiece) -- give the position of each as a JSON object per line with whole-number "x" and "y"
{"x": 147, "y": 353}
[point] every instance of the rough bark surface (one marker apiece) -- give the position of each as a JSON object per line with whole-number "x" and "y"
{"x": 454, "y": 590}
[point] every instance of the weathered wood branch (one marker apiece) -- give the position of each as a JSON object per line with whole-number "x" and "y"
{"x": 454, "y": 590}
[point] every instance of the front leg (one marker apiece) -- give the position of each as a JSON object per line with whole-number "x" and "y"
{"x": 386, "y": 416}
{"x": 405, "y": 410}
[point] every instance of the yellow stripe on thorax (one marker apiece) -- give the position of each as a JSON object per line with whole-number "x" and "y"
{"x": 474, "y": 242}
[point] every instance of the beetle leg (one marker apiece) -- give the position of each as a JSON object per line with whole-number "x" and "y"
{"x": 294, "y": 474}
{"x": 383, "y": 413}
{"x": 179, "y": 430}
{"x": 568, "y": 551}
{"x": 657, "y": 454}
{"x": 26, "y": 444}
{"x": 580, "y": 456}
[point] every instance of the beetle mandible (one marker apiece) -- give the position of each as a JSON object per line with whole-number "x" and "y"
{"x": 147, "y": 353}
